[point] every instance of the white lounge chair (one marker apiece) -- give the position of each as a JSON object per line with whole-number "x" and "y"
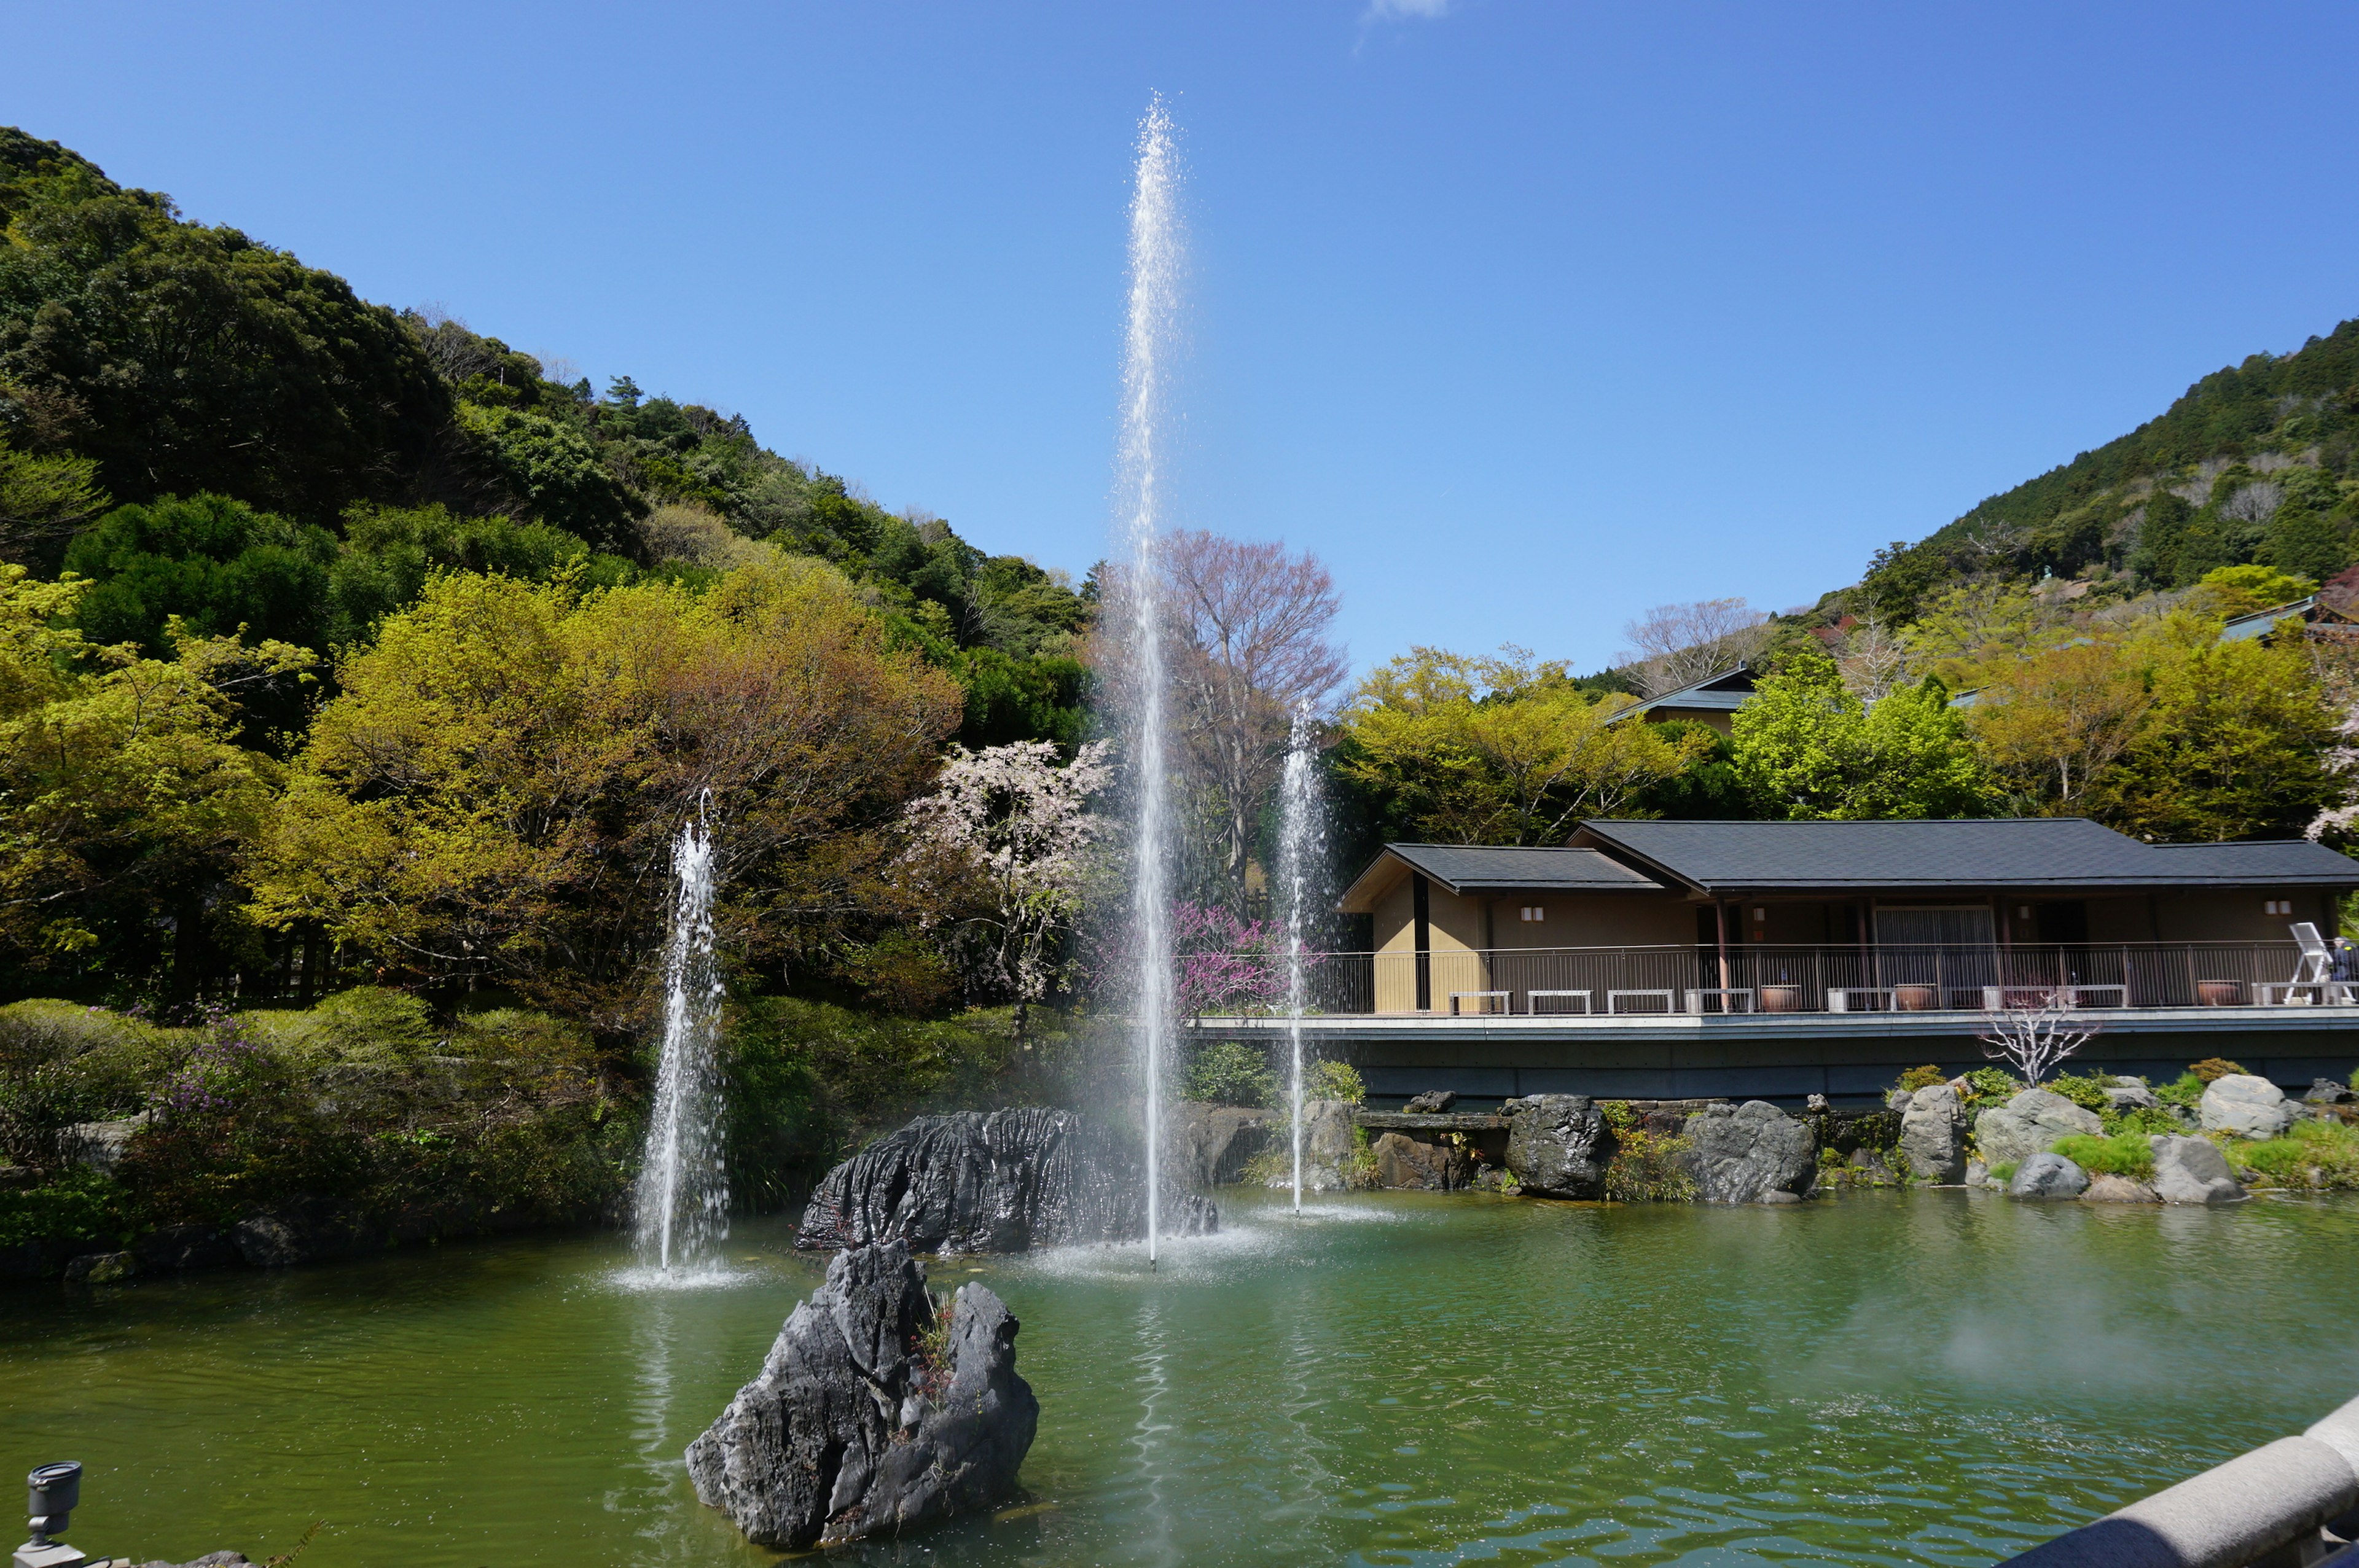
{"x": 2313, "y": 974}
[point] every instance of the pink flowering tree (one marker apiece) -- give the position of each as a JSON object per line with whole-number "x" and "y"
{"x": 1226, "y": 965}
{"x": 1019, "y": 823}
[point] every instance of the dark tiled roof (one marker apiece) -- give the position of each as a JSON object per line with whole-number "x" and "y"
{"x": 1470, "y": 869}
{"x": 1722, "y": 693}
{"x": 2019, "y": 852}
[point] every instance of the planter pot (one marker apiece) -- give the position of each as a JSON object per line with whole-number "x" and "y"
{"x": 2220, "y": 994}
{"x": 1915, "y": 999}
{"x": 1781, "y": 999}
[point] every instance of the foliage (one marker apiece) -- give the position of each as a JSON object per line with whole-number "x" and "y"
{"x": 1230, "y": 1073}
{"x": 2086, "y": 1090}
{"x": 1646, "y": 1167}
{"x": 494, "y": 790}
{"x": 1019, "y": 823}
{"x": 1991, "y": 1082}
{"x": 1334, "y": 1081}
{"x": 182, "y": 358}
{"x": 389, "y": 553}
{"x": 555, "y": 469}
{"x": 2185, "y": 1091}
{"x": 1227, "y": 965}
{"x": 2143, "y": 1120}
{"x": 43, "y": 499}
{"x": 221, "y": 567}
{"x": 1806, "y": 747}
{"x": 2052, "y": 723}
{"x": 2229, "y": 591}
{"x": 2211, "y": 1069}
{"x": 1499, "y": 750}
{"x": 1923, "y": 1077}
{"x": 78, "y": 1207}
{"x": 2123, "y": 1154}
{"x": 2312, "y": 1154}
{"x": 2002, "y": 1172}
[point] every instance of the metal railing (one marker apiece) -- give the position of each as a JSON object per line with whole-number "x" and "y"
{"x": 1757, "y": 978}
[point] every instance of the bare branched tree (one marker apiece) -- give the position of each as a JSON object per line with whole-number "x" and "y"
{"x": 1250, "y": 643}
{"x": 2034, "y": 1039}
{"x": 2255, "y": 503}
{"x": 1872, "y": 659}
{"x": 1676, "y": 644}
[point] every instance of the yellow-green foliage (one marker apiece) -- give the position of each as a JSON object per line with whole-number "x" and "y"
{"x": 1646, "y": 1167}
{"x": 2311, "y": 1155}
{"x": 2211, "y": 1069}
{"x": 1335, "y": 1080}
{"x": 2086, "y": 1091}
{"x": 2124, "y": 1154}
{"x": 1923, "y": 1077}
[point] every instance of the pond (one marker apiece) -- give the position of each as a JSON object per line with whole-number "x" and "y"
{"x": 1394, "y": 1379}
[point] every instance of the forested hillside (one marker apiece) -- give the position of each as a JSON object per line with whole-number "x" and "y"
{"x": 2255, "y": 465}
{"x": 258, "y": 447}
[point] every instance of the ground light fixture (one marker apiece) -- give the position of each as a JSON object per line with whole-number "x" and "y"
{"x": 51, "y": 1494}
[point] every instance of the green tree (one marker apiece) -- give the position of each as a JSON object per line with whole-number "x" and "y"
{"x": 43, "y": 500}
{"x": 2232, "y": 745}
{"x": 213, "y": 562}
{"x": 556, "y": 471}
{"x": 1806, "y": 747}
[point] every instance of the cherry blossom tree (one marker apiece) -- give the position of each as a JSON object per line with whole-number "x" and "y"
{"x": 1020, "y": 824}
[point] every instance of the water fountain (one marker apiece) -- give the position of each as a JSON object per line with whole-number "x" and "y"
{"x": 682, "y": 1200}
{"x": 1155, "y": 267}
{"x": 1300, "y": 842}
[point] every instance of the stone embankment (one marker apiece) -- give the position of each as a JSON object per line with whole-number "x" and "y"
{"x": 879, "y": 1408}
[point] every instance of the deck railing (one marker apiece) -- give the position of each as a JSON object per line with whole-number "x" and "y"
{"x": 1756, "y": 979}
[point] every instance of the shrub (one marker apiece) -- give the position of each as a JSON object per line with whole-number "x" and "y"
{"x": 1990, "y": 1083}
{"x": 1230, "y": 1073}
{"x": 1335, "y": 1080}
{"x": 2003, "y": 1173}
{"x": 2186, "y": 1090}
{"x": 1646, "y": 1167}
{"x": 1923, "y": 1077}
{"x": 80, "y": 1206}
{"x": 2312, "y": 1154}
{"x": 2144, "y": 1121}
{"x": 2212, "y": 1069}
{"x": 2087, "y": 1090}
{"x": 2124, "y": 1154}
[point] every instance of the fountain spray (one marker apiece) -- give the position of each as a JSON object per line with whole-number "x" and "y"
{"x": 683, "y": 1202}
{"x": 1155, "y": 267}
{"x": 1299, "y": 839}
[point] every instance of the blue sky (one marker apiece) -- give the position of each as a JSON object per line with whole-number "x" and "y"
{"x": 1523, "y": 316}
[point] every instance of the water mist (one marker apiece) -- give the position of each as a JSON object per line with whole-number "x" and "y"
{"x": 1147, "y": 340}
{"x": 682, "y": 1200}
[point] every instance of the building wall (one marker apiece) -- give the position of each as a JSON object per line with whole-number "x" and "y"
{"x": 1592, "y": 920}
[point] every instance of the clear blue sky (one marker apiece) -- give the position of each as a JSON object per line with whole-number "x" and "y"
{"x": 1524, "y": 316}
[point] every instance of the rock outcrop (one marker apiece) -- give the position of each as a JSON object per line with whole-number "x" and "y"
{"x": 1209, "y": 1144}
{"x": 2192, "y": 1171}
{"x": 1422, "y": 1164}
{"x": 995, "y": 1181}
{"x": 2048, "y": 1176}
{"x": 870, "y": 1413}
{"x": 2107, "y": 1188}
{"x": 2027, "y": 1124}
{"x": 1933, "y": 1135}
{"x": 101, "y": 1145}
{"x": 1557, "y": 1146}
{"x": 2131, "y": 1093}
{"x": 1432, "y": 1102}
{"x": 2326, "y": 1091}
{"x": 1752, "y": 1153}
{"x": 2245, "y": 1105}
{"x": 1328, "y": 1144}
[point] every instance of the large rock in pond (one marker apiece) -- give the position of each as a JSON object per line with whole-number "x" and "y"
{"x": 1210, "y": 1144}
{"x": 1329, "y": 1144}
{"x": 871, "y": 1411}
{"x": 1432, "y": 1164}
{"x": 994, "y": 1181}
{"x": 2025, "y": 1125}
{"x": 2192, "y": 1171}
{"x": 1557, "y": 1146}
{"x": 1752, "y": 1153}
{"x": 2246, "y": 1105}
{"x": 2048, "y": 1176}
{"x": 1933, "y": 1135}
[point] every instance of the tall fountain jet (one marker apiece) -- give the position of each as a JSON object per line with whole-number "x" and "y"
{"x": 682, "y": 1200}
{"x": 1301, "y": 851}
{"x": 1148, "y": 343}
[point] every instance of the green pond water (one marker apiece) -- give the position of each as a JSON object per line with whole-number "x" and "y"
{"x": 1938, "y": 1378}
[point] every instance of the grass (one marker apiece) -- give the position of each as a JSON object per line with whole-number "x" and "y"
{"x": 2311, "y": 1155}
{"x": 2124, "y": 1154}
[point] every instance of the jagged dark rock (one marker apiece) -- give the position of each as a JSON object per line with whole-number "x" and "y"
{"x": 995, "y": 1181}
{"x": 1752, "y": 1153}
{"x": 1558, "y": 1145}
{"x": 1432, "y": 1102}
{"x": 1210, "y": 1144}
{"x": 869, "y": 1414}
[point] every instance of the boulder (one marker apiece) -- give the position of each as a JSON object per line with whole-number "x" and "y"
{"x": 101, "y": 1145}
{"x": 177, "y": 1246}
{"x": 2326, "y": 1091}
{"x": 1977, "y": 1173}
{"x": 101, "y": 1268}
{"x": 1933, "y": 1135}
{"x": 2191, "y": 1171}
{"x": 2117, "y": 1189}
{"x": 2131, "y": 1093}
{"x": 1329, "y": 1126}
{"x": 1209, "y": 1144}
{"x": 874, "y": 1411}
{"x": 1557, "y": 1146}
{"x": 1432, "y": 1102}
{"x": 1743, "y": 1153}
{"x": 1423, "y": 1165}
{"x": 2245, "y": 1105}
{"x": 2048, "y": 1176}
{"x": 995, "y": 1181}
{"x": 210, "y": 1560}
{"x": 1899, "y": 1100}
{"x": 2027, "y": 1124}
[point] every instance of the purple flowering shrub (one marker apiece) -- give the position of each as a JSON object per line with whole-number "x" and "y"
{"x": 1226, "y": 965}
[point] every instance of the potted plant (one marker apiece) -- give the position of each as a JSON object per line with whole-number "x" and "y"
{"x": 1916, "y": 997}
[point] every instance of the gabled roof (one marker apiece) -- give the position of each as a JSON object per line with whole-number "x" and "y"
{"x": 2261, "y": 623}
{"x": 1722, "y": 858}
{"x": 1462, "y": 867}
{"x": 1722, "y": 693}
